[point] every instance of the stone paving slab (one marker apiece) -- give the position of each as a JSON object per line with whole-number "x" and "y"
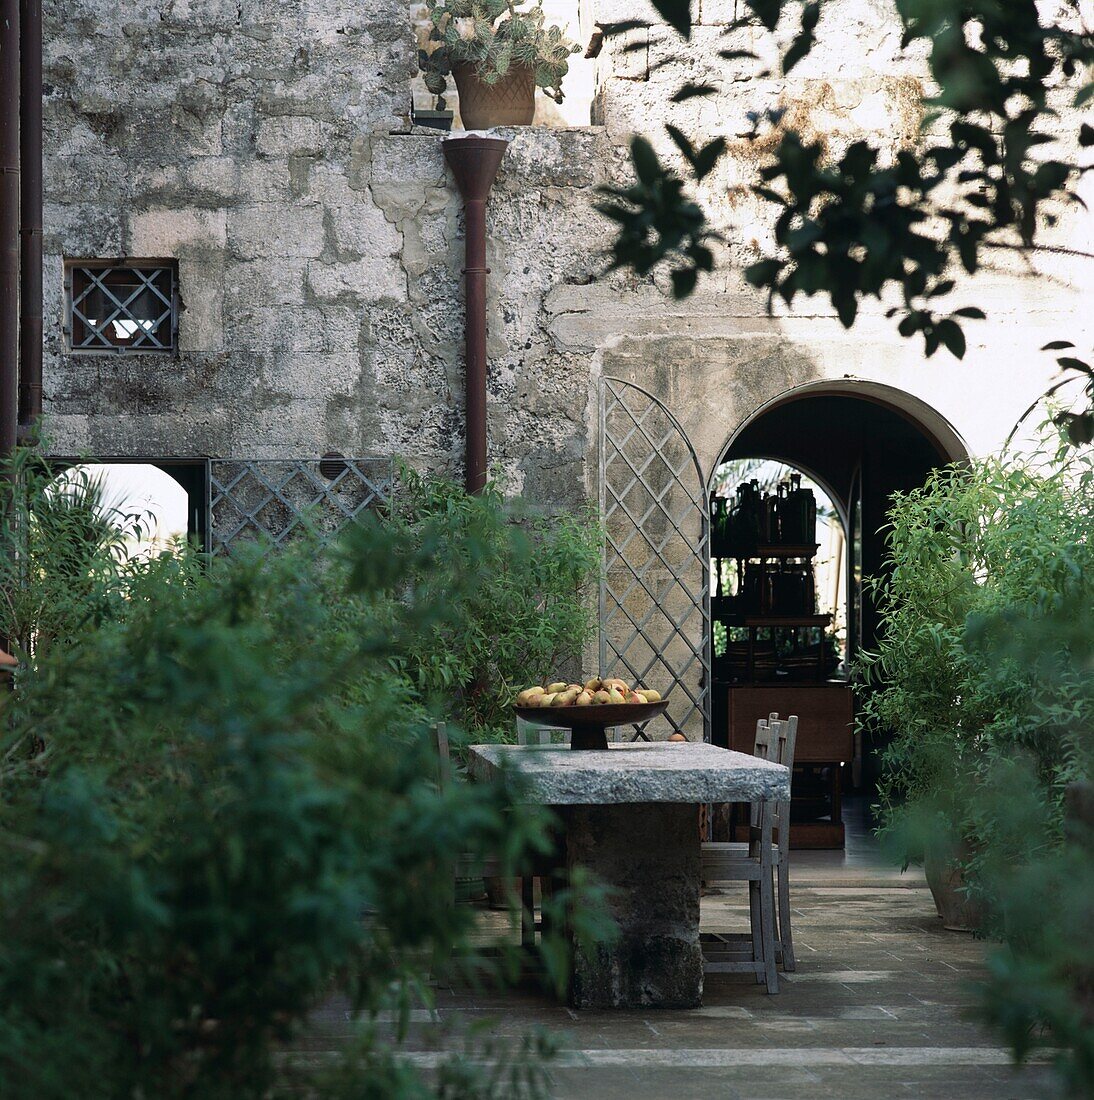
{"x": 879, "y": 1008}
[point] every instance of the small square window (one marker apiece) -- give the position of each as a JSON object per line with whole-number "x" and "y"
{"x": 120, "y": 306}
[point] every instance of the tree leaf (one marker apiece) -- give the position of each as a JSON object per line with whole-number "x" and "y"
{"x": 1058, "y": 345}
{"x": 677, "y": 13}
{"x": 646, "y": 165}
{"x": 692, "y": 91}
{"x": 763, "y": 272}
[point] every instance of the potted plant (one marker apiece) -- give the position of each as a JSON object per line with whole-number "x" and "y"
{"x": 498, "y": 52}
{"x": 1002, "y": 540}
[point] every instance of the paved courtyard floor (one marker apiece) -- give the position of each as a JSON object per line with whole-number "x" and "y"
{"x": 878, "y": 1008}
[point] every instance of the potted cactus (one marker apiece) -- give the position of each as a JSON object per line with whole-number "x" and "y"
{"x": 498, "y": 52}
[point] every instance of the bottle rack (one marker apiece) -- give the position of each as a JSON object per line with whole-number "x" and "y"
{"x": 770, "y": 541}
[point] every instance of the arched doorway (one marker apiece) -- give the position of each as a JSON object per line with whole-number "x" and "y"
{"x": 167, "y": 499}
{"x": 859, "y": 442}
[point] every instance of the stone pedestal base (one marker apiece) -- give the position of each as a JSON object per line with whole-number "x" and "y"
{"x": 648, "y": 853}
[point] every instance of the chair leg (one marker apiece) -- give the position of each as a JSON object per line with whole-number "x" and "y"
{"x": 755, "y": 921}
{"x": 767, "y": 913}
{"x": 786, "y": 938}
{"x": 527, "y": 912}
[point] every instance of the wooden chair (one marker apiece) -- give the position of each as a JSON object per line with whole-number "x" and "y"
{"x": 720, "y": 860}
{"x": 753, "y": 863}
{"x": 545, "y": 868}
{"x": 465, "y": 865}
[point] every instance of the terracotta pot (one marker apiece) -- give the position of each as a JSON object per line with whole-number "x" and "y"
{"x": 509, "y": 102}
{"x": 945, "y": 878}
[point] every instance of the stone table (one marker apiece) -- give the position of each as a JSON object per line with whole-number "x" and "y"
{"x": 630, "y": 815}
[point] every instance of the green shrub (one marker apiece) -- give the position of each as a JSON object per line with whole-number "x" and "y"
{"x": 529, "y": 615}
{"x": 219, "y": 805}
{"x": 997, "y": 538}
{"x": 985, "y": 677}
{"x": 63, "y": 560}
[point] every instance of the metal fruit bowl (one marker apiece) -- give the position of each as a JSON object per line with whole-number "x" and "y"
{"x": 589, "y": 723}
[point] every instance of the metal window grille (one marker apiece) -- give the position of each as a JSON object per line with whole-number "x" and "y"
{"x": 271, "y": 501}
{"x": 121, "y": 307}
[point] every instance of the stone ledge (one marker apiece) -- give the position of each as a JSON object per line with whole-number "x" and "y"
{"x": 556, "y": 775}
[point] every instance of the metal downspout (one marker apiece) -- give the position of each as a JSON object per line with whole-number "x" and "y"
{"x": 474, "y": 162}
{"x": 9, "y": 223}
{"x": 30, "y": 232}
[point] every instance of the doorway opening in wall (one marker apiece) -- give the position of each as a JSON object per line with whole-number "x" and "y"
{"x": 798, "y": 507}
{"x": 154, "y": 503}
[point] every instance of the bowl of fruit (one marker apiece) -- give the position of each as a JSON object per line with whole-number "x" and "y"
{"x": 589, "y": 709}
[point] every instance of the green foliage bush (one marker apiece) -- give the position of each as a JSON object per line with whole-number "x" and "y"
{"x": 997, "y": 538}
{"x": 64, "y": 565}
{"x": 530, "y": 612}
{"x": 219, "y": 805}
{"x": 985, "y": 677}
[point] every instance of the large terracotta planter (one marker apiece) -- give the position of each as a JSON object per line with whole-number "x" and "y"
{"x": 509, "y": 102}
{"x": 946, "y": 881}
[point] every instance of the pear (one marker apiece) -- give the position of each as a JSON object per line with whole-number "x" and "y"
{"x": 547, "y": 700}
{"x": 638, "y": 697}
{"x": 651, "y": 695}
{"x": 528, "y": 695}
{"x": 602, "y": 696}
{"x": 620, "y": 685}
{"x": 584, "y": 699}
{"x": 678, "y": 737}
{"x": 554, "y": 689}
{"x": 614, "y": 696}
{"x": 566, "y": 698}
{"x": 593, "y": 685}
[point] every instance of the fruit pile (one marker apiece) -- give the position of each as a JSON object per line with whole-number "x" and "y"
{"x": 594, "y": 693}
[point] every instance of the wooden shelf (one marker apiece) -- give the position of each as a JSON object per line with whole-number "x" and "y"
{"x": 774, "y": 550}
{"x": 760, "y": 621}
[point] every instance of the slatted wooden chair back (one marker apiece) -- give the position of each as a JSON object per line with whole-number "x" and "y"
{"x": 784, "y": 738}
{"x": 763, "y": 747}
{"x": 528, "y": 733}
{"x": 444, "y": 754}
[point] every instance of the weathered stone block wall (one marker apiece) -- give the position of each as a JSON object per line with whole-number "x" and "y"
{"x": 718, "y": 357}
{"x": 267, "y": 147}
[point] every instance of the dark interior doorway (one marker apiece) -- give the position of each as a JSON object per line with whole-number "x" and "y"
{"x": 863, "y": 449}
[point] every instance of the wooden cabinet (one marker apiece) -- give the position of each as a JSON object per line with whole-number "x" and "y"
{"x": 825, "y": 741}
{"x": 825, "y": 716}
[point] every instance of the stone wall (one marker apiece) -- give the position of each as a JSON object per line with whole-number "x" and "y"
{"x": 267, "y": 147}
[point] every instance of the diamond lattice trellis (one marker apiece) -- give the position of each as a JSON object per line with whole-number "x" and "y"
{"x": 655, "y": 582}
{"x": 254, "y": 499}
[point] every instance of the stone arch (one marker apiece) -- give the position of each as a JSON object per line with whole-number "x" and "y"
{"x": 938, "y": 430}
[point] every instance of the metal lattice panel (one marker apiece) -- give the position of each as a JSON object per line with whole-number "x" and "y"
{"x": 274, "y": 499}
{"x": 655, "y": 581}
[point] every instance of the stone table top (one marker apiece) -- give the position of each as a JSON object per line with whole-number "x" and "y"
{"x": 556, "y": 775}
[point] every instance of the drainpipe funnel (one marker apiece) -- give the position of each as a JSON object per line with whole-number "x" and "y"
{"x": 474, "y": 161}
